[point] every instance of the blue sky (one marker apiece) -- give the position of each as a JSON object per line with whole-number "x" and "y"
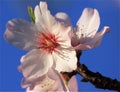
{"x": 104, "y": 59}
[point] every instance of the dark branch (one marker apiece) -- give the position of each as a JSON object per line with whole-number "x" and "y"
{"x": 98, "y": 80}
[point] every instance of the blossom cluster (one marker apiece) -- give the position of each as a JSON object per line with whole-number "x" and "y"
{"x": 52, "y": 43}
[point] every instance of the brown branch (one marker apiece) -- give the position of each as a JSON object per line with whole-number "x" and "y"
{"x": 98, "y": 80}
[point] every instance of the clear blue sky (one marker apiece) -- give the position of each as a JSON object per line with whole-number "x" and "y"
{"x": 104, "y": 59}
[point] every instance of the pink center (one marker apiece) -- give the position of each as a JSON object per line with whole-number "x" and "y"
{"x": 47, "y": 41}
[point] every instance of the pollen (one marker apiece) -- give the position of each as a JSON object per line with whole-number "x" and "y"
{"x": 47, "y": 84}
{"x": 47, "y": 42}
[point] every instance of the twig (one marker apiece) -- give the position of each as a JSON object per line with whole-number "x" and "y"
{"x": 97, "y": 79}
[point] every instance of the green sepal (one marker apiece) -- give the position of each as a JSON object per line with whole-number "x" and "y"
{"x": 31, "y": 14}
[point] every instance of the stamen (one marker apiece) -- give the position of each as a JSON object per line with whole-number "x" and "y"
{"x": 47, "y": 84}
{"x": 46, "y": 41}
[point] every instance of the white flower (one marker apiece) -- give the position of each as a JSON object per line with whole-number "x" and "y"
{"x": 86, "y": 35}
{"x": 49, "y": 42}
{"x": 47, "y": 86}
{"x": 52, "y": 81}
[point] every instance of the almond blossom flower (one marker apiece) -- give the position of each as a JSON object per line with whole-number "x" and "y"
{"x": 86, "y": 35}
{"x": 50, "y": 82}
{"x": 50, "y": 85}
{"x": 48, "y": 40}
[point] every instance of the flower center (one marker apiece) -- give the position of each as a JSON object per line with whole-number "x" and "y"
{"x": 47, "y": 41}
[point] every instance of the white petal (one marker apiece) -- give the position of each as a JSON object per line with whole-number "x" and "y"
{"x": 48, "y": 22}
{"x": 63, "y": 17}
{"x": 96, "y": 40}
{"x": 20, "y": 33}
{"x": 82, "y": 47}
{"x": 72, "y": 84}
{"x": 65, "y": 60}
{"x": 35, "y": 64}
{"x": 51, "y": 82}
{"x": 63, "y": 34}
{"x": 43, "y": 86}
{"x": 43, "y": 16}
{"x": 59, "y": 84}
{"x": 88, "y": 23}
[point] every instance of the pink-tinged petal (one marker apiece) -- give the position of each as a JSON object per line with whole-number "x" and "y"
{"x": 35, "y": 64}
{"x": 43, "y": 17}
{"x": 31, "y": 83}
{"x": 41, "y": 85}
{"x": 88, "y": 23}
{"x": 63, "y": 17}
{"x": 93, "y": 41}
{"x": 59, "y": 84}
{"x": 45, "y": 84}
{"x": 72, "y": 84}
{"x": 65, "y": 60}
{"x": 82, "y": 47}
{"x": 96, "y": 40}
{"x": 51, "y": 82}
{"x": 20, "y": 33}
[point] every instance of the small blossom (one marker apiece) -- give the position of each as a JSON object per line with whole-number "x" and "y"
{"x": 86, "y": 35}
{"x": 52, "y": 81}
